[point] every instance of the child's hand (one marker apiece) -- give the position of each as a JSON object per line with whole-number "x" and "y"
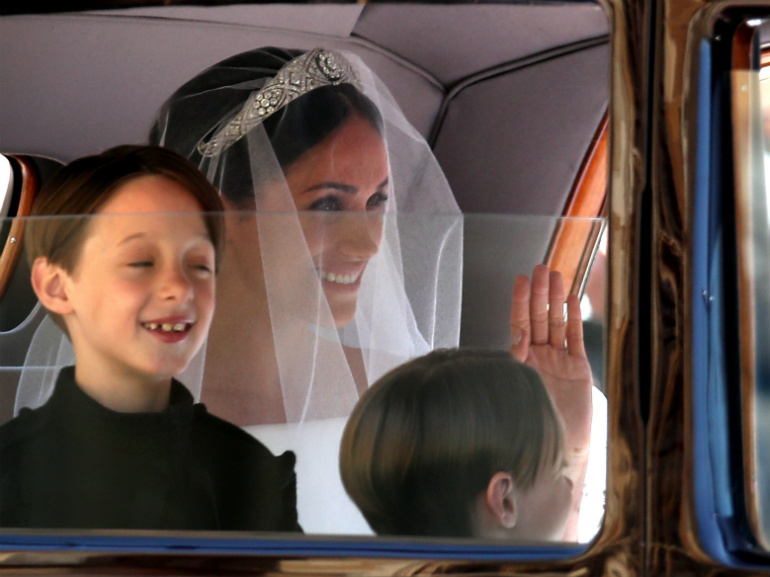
{"x": 542, "y": 338}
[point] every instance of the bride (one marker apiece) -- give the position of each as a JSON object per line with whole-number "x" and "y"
{"x": 331, "y": 274}
{"x": 321, "y": 288}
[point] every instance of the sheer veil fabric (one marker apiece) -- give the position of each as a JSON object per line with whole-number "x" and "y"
{"x": 281, "y": 360}
{"x": 408, "y": 301}
{"x": 409, "y": 297}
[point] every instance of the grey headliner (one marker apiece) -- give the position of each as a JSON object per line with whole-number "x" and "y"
{"x": 73, "y": 84}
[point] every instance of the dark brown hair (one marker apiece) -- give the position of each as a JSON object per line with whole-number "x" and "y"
{"x": 424, "y": 441}
{"x": 83, "y": 186}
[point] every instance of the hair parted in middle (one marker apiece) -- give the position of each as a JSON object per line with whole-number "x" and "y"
{"x": 424, "y": 441}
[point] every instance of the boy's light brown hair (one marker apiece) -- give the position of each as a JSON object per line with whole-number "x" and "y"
{"x": 82, "y": 187}
{"x": 424, "y": 441}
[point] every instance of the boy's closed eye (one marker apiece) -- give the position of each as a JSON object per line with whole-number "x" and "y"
{"x": 201, "y": 258}
{"x": 203, "y": 267}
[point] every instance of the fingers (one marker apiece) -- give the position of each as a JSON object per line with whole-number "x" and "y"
{"x": 575, "y": 344}
{"x": 520, "y": 318}
{"x": 556, "y": 323}
{"x": 538, "y": 305}
{"x": 537, "y": 315}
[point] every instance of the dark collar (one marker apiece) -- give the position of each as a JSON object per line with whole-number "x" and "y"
{"x": 70, "y": 399}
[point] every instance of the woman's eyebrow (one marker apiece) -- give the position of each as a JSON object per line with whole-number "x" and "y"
{"x": 342, "y": 187}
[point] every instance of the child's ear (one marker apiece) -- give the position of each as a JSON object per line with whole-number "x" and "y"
{"x": 500, "y": 500}
{"x": 48, "y": 282}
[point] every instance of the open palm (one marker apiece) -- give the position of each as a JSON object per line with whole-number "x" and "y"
{"x": 543, "y": 339}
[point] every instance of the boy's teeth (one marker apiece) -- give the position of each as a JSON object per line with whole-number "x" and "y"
{"x": 167, "y": 327}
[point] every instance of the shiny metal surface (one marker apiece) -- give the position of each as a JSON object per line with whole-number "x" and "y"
{"x": 672, "y": 539}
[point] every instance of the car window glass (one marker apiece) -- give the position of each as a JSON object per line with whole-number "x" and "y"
{"x": 751, "y": 122}
{"x": 121, "y": 311}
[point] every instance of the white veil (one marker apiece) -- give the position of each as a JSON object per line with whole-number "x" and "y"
{"x": 409, "y": 298}
{"x": 269, "y": 294}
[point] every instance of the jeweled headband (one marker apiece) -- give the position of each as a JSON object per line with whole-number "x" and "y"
{"x": 299, "y": 76}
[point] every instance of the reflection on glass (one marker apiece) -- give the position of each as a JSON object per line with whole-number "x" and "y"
{"x": 751, "y": 119}
{"x": 118, "y": 442}
{"x": 764, "y": 91}
{"x": 593, "y": 308}
{"x": 762, "y": 314}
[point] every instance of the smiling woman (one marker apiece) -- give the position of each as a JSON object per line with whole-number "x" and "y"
{"x": 314, "y": 142}
{"x": 326, "y": 281}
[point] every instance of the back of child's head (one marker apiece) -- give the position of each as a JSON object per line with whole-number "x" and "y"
{"x": 424, "y": 441}
{"x": 81, "y": 188}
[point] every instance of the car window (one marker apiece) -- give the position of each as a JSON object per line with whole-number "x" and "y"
{"x": 737, "y": 294}
{"x": 35, "y": 361}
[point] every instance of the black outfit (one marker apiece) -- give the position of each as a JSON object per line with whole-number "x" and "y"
{"x": 76, "y": 464}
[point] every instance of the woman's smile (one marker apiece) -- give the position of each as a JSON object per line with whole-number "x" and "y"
{"x": 341, "y": 281}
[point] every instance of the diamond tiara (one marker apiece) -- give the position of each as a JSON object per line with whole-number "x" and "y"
{"x": 297, "y": 77}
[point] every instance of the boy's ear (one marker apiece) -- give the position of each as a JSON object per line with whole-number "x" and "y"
{"x": 500, "y": 500}
{"x": 48, "y": 282}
